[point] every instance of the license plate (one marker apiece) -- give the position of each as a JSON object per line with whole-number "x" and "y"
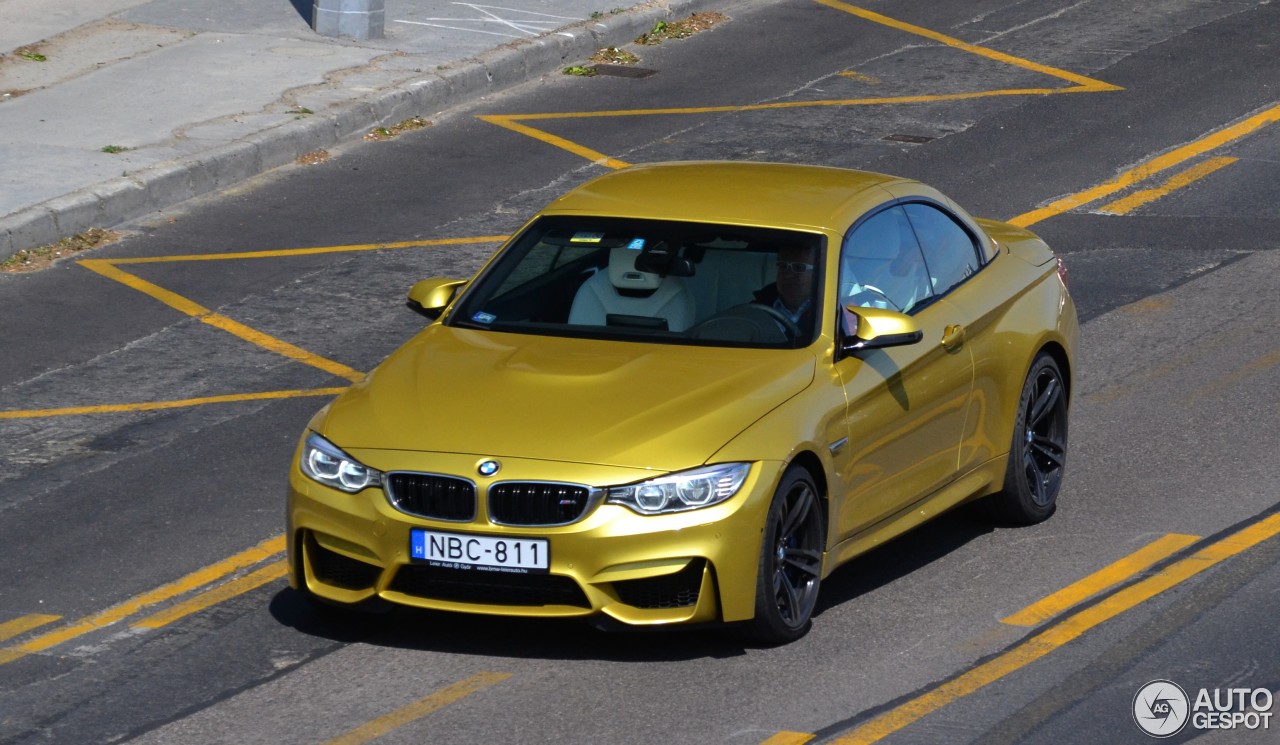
{"x": 461, "y": 551}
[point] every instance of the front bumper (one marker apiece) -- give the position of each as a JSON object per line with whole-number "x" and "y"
{"x": 687, "y": 567}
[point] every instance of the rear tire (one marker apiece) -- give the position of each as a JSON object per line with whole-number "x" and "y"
{"x": 1038, "y": 453}
{"x": 790, "y": 568}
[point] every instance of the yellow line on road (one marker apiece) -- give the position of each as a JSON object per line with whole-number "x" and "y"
{"x": 595, "y": 157}
{"x": 106, "y": 268}
{"x": 1151, "y": 167}
{"x": 22, "y": 625}
{"x": 159, "y": 405}
{"x": 1082, "y": 85}
{"x": 436, "y": 701}
{"x": 284, "y": 348}
{"x": 1186, "y": 178}
{"x": 288, "y": 252}
{"x": 194, "y": 309}
{"x": 738, "y": 108}
{"x": 1258, "y": 365}
{"x": 1109, "y": 576}
{"x": 1060, "y": 634}
{"x": 197, "y": 579}
{"x": 1008, "y": 59}
{"x": 788, "y": 738}
{"x": 218, "y": 594}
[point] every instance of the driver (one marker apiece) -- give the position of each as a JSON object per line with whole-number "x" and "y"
{"x": 792, "y": 293}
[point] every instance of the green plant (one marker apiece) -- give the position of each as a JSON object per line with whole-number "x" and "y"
{"x": 597, "y": 14}
{"x": 31, "y": 54}
{"x": 301, "y": 111}
{"x": 113, "y": 149}
{"x": 579, "y": 70}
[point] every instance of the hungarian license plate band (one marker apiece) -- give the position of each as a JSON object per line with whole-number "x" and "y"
{"x": 484, "y": 553}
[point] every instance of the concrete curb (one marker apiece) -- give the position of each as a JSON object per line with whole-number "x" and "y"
{"x": 165, "y": 184}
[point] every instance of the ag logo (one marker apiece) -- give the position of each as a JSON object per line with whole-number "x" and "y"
{"x": 1161, "y": 708}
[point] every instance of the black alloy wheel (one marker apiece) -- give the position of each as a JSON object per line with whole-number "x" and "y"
{"x": 1038, "y": 454}
{"x": 790, "y": 561}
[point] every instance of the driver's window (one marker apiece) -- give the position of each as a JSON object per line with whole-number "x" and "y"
{"x": 881, "y": 265}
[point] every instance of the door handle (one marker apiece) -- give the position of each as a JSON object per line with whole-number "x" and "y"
{"x": 953, "y": 336}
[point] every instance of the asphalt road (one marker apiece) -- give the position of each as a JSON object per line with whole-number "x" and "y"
{"x": 112, "y": 520}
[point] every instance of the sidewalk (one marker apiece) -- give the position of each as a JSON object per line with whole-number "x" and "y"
{"x": 141, "y": 104}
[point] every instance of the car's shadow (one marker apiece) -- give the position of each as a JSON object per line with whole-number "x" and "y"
{"x": 576, "y": 639}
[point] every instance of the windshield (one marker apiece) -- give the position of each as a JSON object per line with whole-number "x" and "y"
{"x": 651, "y": 280}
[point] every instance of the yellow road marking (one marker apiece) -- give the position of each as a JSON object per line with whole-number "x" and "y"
{"x": 280, "y": 347}
{"x": 1191, "y": 175}
{"x": 1261, "y": 364}
{"x": 1082, "y": 85}
{"x": 22, "y": 625}
{"x": 739, "y": 108}
{"x": 1059, "y": 634}
{"x": 436, "y": 701}
{"x": 788, "y": 738}
{"x": 595, "y": 157}
{"x": 106, "y": 268}
{"x": 218, "y": 594}
{"x": 158, "y": 405}
{"x": 288, "y": 252}
{"x": 194, "y": 309}
{"x": 1008, "y": 59}
{"x": 1151, "y": 167}
{"x": 1100, "y": 580}
{"x": 199, "y": 578}
{"x": 860, "y": 77}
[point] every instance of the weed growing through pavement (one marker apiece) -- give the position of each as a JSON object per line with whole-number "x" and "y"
{"x": 386, "y": 133}
{"x": 29, "y": 53}
{"x": 681, "y": 29}
{"x": 614, "y": 56}
{"x": 580, "y": 71}
{"x": 300, "y": 112}
{"x": 113, "y": 149}
{"x": 35, "y": 259}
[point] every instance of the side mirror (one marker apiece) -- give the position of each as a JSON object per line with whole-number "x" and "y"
{"x": 877, "y": 328}
{"x": 431, "y": 296}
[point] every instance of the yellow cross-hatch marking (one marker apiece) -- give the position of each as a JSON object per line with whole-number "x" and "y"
{"x": 110, "y": 268}
{"x": 1080, "y": 84}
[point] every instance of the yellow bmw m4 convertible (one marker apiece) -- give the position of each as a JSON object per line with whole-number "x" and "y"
{"x": 688, "y": 392}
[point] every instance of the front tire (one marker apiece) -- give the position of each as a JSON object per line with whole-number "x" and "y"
{"x": 790, "y": 568}
{"x": 1038, "y": 453}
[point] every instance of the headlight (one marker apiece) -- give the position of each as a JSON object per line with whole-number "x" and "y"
{"x": 324, "y": 462}
{"x": 687, "y": 490}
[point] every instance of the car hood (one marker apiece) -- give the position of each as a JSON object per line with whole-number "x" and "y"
{"x": 657, "y": 406}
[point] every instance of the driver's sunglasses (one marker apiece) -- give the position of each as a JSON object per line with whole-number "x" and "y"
{"x": 794, "y": 266}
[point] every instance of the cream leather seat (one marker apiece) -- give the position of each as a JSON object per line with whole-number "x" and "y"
{"x": 623, "y": 290}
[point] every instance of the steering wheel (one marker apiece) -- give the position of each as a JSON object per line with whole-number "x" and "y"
{"x": 789, "y": 326}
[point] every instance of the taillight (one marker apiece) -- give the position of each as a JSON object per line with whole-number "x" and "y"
{"x": 1062, "y": 273}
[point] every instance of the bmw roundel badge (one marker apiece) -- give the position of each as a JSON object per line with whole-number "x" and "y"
{"x": 488, "y": 467}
